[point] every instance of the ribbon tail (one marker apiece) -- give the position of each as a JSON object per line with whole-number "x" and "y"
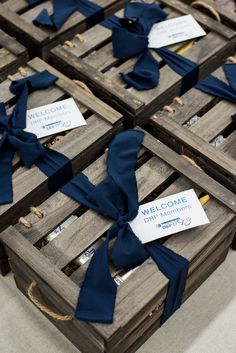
{"x": 43, "y": 19}
{"x": 175, "y": 268}
{"x": 97, "y": 296}
{"x": 145, "y": 74}
{"x": 182, "y": 66}
{"x": 230, "y": 73}
{"x": 6, "y": 171}
{"x": 215, "y": 87}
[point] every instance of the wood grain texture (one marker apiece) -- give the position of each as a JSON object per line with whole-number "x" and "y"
{"x": 82, "y": 145}
{"x": 93, "y": 61}
{"x": 17, "y": 17}
{"x": 214, "y": 119}
{"x": 12, "y": 55}
{"x": 225, "y": 8}
{"x": 137, "y": 311}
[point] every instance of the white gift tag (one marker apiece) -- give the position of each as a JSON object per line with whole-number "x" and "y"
{"x": 169, "y": 215}
{"x": 54, "y": 118}
{"x": 175, "y": 30}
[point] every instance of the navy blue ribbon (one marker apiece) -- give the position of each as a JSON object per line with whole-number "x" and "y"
{"x": 63, "y": 9}
{"x": 130, "y": 38}
{"x": 117, "y": 198}
{"x": 215, "y": 87}
{"x": 15, "y": 139}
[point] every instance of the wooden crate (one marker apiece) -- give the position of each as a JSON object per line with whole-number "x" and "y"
{"x": 16, "y": 18}
{"x": 58, "y": 270}
{"x": 93, "y": 61}
{"x": 82, "y": 145}
{"x": 12, "y": 55}
{"x": 225, "y": 9}
{"x": 210, "y": 140}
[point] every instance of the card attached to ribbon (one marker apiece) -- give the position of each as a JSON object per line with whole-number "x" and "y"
{"x": 173, "y": 31}
{"x": 54, "y": 118}
{"x": 169, "y": 215}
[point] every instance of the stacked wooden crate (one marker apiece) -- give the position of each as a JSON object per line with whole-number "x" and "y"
{"x": 47, "y": 266}
{"x": 82, "y": 145}
{"x": 12, "y": 55}
{"x": 16, "y": 17}
{"x": 92, "y": 60}
{"x": 50, "y": 238}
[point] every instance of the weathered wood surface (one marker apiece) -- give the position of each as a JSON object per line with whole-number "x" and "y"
{"x": 12, "y": 55}
{"x": 82, "y": 145}
{"x": 93, "y": 61}
{"x": 53, "y": 263}
{"x": 16, "y": 17}
{"x": 199, "y": 140}
{"x": 225, "y": 8}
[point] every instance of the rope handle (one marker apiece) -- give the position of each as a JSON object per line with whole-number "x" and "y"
{"x": 44, "y": 308}
{"x": 210, "y": 8}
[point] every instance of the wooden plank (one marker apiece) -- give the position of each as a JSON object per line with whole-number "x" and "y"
{"x": 17, "y": 17}
{"x": 82, "y": 145}
{"x": 225, "y": 8}
{"x": 92, "y": 61}
{"x": 213, "y": 120}
{"x": 131, "y": 298}
{"x": 90, "y": 101}
{"x": 11, "y": 44}
{"x": 152, "y": 322}
{"x": 190, "y": 171}
{"x": 137, "y": 310}
{"x": 201, "y": 18}
{"x": 12, "y": 55}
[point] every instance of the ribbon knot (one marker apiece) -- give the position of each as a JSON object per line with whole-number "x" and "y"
{"x": 122, "y": 222}
{"x": 130, "y": 38}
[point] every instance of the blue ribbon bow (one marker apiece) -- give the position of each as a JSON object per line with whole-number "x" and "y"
{"x": 130, "y": 38}
{"x": 63, "y": 9}
{"x": 214, "y": 86}
{"x": 14, "y": 139}
{"x": 117, "y": 198}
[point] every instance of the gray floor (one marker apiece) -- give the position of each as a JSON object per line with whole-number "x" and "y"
{"x": 206, "y": 323}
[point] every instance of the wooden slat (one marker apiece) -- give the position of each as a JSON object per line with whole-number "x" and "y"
{"x": 201, "y": 18}
{"x": 82, "y": 145}
{"x": 17, "y": 17}
{"x": 12, "y": 55}
{"x": 90, "y": 101}
{"x": 191, "y": 172}
{"x": 93, "y": 61}
{"x": 214, "y": 119}
{"x": 225, "y": 8}
{"x": 9, "y": 16}
{"x": 137, "y": 310}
